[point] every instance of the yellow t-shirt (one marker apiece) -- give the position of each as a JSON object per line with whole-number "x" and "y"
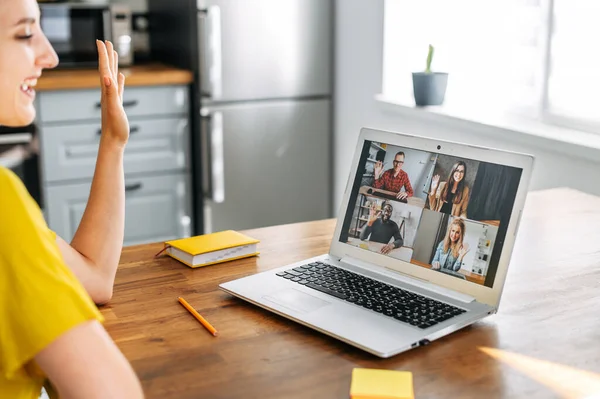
{"x": 40, "y": 298}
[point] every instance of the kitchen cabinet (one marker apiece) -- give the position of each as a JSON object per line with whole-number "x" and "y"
{"x": 156, "y": 208}
{"x": 156, "y": 160}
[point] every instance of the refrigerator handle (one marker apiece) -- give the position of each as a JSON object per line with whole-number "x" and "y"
{"x": 214, "y": 163}
{"x": 211, "y": 70}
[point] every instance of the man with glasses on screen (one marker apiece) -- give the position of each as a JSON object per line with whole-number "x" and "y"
{"x": 393, "y": 179}
{"x": 382, "y": 229}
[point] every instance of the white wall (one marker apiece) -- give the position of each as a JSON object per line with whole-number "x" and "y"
{"x": 358, "y": 73}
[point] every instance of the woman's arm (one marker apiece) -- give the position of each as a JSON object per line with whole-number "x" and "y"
{"x": 435, "y": 263}
{"x": 464, "y": 250}
{"x": 94, "y": 252}
{"x": 434, "y": 196}
{"x": 438, "y": 252}
{"x": 457, "y": 264}
{"x": 85, "y": 363}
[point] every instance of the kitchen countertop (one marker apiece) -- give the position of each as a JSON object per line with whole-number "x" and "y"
{"x": 138, "y": 75}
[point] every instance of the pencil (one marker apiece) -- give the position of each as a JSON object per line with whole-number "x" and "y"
{"x": 201, "y": 319}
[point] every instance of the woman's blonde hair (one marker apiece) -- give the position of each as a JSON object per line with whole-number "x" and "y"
{"x": 455, "y": 246}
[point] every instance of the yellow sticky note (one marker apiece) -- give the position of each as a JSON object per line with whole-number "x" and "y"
{"x": 381, "y": 384}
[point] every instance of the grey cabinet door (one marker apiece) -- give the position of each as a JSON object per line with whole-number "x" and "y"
{"x": 156, "y": 208}
{"x": 70, "y": 151}
{"x": 275, "y": 166}
{"x": 73, "y": 105}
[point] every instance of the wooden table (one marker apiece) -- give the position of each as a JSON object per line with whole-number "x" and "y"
{"x": 550, "y": 311}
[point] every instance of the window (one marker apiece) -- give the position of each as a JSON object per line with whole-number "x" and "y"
{"x": 537, "y": 58}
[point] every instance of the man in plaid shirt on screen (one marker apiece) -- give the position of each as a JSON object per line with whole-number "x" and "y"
{"x": 393, "y": 179}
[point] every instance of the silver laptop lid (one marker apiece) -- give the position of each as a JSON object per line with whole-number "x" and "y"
{"x": 442, "y": 212}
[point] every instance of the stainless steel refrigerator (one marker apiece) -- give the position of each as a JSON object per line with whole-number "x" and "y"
{"x": 262, "y": 126}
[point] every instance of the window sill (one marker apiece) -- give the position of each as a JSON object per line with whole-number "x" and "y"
{"x": 522, "y": 130}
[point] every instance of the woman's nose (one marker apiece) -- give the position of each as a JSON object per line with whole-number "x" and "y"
{"x": 47, "y": 57}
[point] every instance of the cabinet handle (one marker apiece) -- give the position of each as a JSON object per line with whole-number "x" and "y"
{"x": 133, "y": 187}
{"x": 128, "y": 103}
{"x": 132, "y": 129}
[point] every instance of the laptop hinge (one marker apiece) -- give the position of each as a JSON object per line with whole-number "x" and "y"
{"x": 409, "y": 279}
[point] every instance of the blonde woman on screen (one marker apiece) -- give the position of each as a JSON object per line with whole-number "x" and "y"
{"x": 451, "y": 196}
{"x": 50, "y": 331}
{"x": 451, "y": 251}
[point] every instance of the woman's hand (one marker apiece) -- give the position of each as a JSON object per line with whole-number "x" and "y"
{"x": 435, "y": 265}
{"x": 115, "y": 126}
{"x": 464, "y": 249}
{"x": 434, "y": 183}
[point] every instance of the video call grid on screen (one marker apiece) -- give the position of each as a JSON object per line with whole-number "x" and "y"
{"x": 436, "y": 211}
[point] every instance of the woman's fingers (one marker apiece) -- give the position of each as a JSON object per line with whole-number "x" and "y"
{"x": 102, "y": 59}
{"x": 115, "y": 64}
{"x": 110, "y": 50}
{"x": 121, "y": 86}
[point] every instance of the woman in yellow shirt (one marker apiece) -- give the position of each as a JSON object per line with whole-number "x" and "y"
{"x": 49, "y": 326}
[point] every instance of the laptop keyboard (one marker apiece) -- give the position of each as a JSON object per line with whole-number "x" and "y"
{"x": 403, "y": 305}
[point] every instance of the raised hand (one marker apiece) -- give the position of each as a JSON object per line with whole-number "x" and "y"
{"x": 373, "y": 215}
{"x": 435, "y": 181}
{"x": 378, "y": 169}
{"x": 115, "y": 126}
{"x": 464, "y": 249}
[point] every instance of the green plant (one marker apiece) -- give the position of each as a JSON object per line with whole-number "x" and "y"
{"x": 429, "y": 58}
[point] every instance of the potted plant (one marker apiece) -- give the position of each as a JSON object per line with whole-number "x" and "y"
{"x": 429, "y": 87}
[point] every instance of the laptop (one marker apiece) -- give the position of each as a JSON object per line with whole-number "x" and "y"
{"x": 421, "y": 247}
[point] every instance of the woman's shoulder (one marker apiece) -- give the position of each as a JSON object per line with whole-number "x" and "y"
{"x": 14, "y": 194}
{"x": 9, "y": 181}
{"x": 6, "y": 175}
{"x": 11, "y": 186}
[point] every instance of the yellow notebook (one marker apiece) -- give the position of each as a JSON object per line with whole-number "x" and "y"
{"x": 210, "y": 249}
{"x": 381, "y": 384}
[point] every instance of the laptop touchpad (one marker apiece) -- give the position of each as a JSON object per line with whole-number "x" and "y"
{"x": 296, "y": 300}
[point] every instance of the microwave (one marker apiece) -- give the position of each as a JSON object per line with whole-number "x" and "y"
{"x": 72, "y": 29}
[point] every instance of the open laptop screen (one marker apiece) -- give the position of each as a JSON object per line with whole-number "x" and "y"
{"x": 436, "y": 211}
